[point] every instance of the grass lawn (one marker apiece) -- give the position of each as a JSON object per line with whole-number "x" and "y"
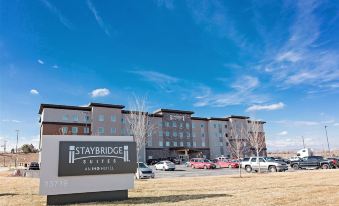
{"x": 319, "y": 187}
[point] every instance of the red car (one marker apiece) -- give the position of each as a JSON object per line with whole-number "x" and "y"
{"x": 201, "y": 163}
{"x": 226, "y": 163}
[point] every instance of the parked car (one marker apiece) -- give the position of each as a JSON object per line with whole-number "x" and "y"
{"x": 280, "y": 159}
{"x": 201, "y": 163}
{"x": 165, "y": 165}
{"x": 152, "y": 161}
{"x": 265, "y": 165}
{"x": 312, "y": 162}
{"x": 174, "y": 160}
{"x": 188, "y": 163}
{"x": 295, "y": 158}
{"x": 335, "y": 161}
{"x": 226, "y": 163}
{"x": 143, "y": 171}
{"x": 34, "y": 166}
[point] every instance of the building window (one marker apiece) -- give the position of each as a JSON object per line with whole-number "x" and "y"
{"x": 188, "y": 134}
{"x": 64, "y": 130}
{"x": 65, "y": 117}
{"x": 202, "y": 125}
{"x": 167, "y": 143}
{"x": 174, "y": 124}
{"x": 225, "y": 126}
{"x": 160, "y": 124}
{"x": 180, "y": 125}
{"x": 203, "y": 144}
{"x": 101, "y": 118}
{"x": 181, "y": 144}
{"x": 113, "y": 118}
{"x": 220, "y": 144}
{"x": 75, "y": 118}
{"x": 188, "y": 144}
{"x": 181, "y": 135}
{"x": 194, "y": 144}
{"x": 101, "y": 130}
{"x": 193, "y": 134}
{"x": 193, "y": 125}
{"x": 187, "y": 125}
{"x": 161, "y": 144}
{"x": 167, "y": 124}
{"x": 214, "y": 125}
{"x": 74, "y": 130}
{"x": 226, "y": 135}
{"x": 149, "y": 142}
{"x": 123, "y": 120}
{"x": 113, "y": 130}
{"x": 86, "y": 118}
{"x": 86, "y": 130}
{"x": 175, "y": 144}
{"x": 203, "y": 134}
{"x": 160, "y": 133}
{"x": 175, "y": 134}
{"x": 167, "y": 133}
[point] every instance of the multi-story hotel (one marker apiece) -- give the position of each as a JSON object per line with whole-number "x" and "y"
{"x": 177, "y": 133}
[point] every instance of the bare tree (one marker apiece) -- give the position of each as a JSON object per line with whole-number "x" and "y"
{"x": 236, "y": 139}
{"x": 256, "y": 138}
{"x": 139, "y": 123}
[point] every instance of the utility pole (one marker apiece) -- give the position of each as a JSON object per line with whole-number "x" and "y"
{"x": 303, "y": 141}
{"x": 328, "y": 144}
{"x": 17, "y": 140}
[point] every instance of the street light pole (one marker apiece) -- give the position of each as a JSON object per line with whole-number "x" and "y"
{"x": 328, "y": 144}
{"x": 303, "y": 141}
{"x": 17, "y": 140}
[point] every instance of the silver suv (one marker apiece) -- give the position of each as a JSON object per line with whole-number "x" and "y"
{"x": 266, "y": 164}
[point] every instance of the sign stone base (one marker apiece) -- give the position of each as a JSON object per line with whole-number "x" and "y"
{"x": 87, "y": 197}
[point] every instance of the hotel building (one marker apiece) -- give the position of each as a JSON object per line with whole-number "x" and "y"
{"x": 176, "y": 134}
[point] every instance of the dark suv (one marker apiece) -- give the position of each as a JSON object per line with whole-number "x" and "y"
{"x": 312, "y": 162}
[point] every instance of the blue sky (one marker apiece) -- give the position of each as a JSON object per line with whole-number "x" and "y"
{"x": 276, "y": 61}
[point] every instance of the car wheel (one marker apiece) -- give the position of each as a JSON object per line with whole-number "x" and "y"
{"x": 325, "y": 166}
{"x": 272, "y": 169}
{"x": 205, "y": 167}
{"x": 248, "y": 168}
{"x": 229, "y": 166}
{"x": 295, "y": 167}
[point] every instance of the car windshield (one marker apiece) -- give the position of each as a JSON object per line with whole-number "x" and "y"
{"x": 167, "y": 162}
{"x": 142, "y": 165}
{"x": 206, "y": 160}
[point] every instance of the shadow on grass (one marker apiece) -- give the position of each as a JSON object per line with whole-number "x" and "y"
{"x": 7, "y": 194}
{"x": 169, "y": 198}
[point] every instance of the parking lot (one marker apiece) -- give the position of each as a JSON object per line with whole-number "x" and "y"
{"x": 183, "y": 171}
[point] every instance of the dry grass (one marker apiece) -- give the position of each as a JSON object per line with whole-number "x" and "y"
{"x": 319, "y": 187}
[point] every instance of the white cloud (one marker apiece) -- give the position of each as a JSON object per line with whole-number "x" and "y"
{"x": 246, "y": 83}
{"x": 55, "y": 66}
{"x": 40, "y": 61}
{"x": 98, "y": 18}
{"x": 305, "y": 123}
{"x": 11, "y": 120}
{"x": 63, "y": 20}
{"x": 304, "y": 59}
{"x": 34, "y": 92}
{"x": 102, "y": 92}
{"x": 336, "y": 124}
{"x": 289, "y": 56}
{"x": 269, "y": 107}
{"x": 168, "y": 4}
{"x": 243, "y": 93}
{"x": 283, "y": 133}
{"x": 161, "y": 80}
